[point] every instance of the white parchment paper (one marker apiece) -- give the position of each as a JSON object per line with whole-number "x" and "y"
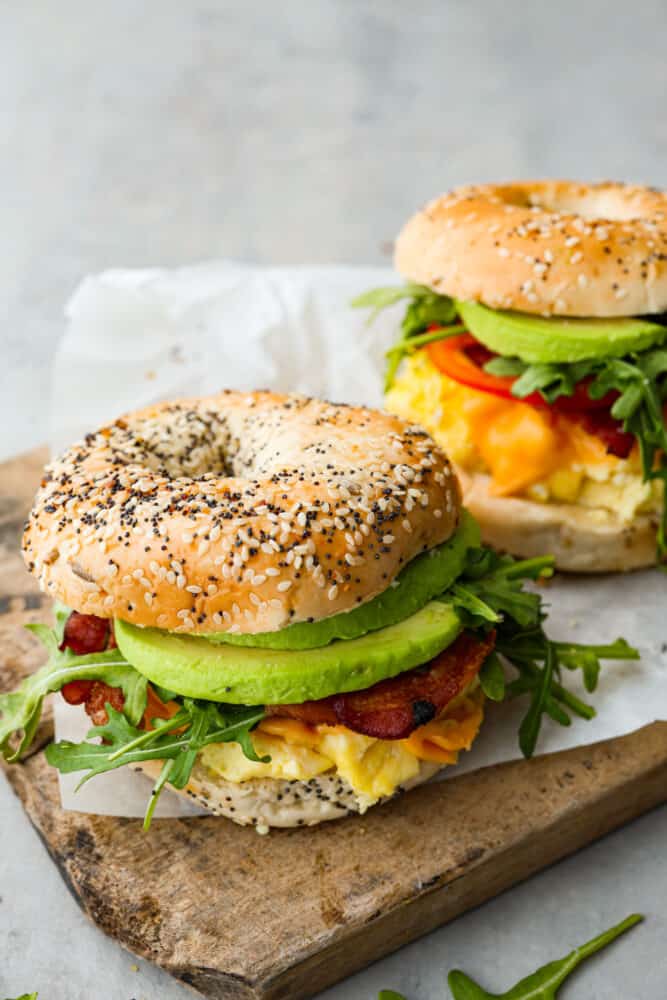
{"x": 136, "y": 337}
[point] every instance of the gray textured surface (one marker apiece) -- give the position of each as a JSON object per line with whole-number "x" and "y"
{"x": 304, "y": 132}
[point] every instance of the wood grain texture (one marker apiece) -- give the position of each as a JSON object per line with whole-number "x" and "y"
{"x": 236, "y": 915}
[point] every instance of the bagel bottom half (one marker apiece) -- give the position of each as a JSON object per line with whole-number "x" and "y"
{"x": 272, "y": 802}
{"x": 580, "y": 539}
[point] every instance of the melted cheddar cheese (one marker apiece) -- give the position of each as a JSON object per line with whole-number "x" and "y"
{"x": 373, "y": 768}
{"x": 525, "y": 451}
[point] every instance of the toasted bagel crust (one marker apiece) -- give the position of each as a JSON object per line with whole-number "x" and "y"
{"x": 241, "y": 511}
{"x": 546, "y": 247}
{"x": 271, "y": 802}
{"x": 579, "y": 539}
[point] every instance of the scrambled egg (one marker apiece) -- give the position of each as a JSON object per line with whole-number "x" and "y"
{"x": 373, "y": 768}
{"x": 526, "y": 451}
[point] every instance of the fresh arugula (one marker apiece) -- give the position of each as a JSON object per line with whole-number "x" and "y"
{"x": 490, "y": 594}
{"x": 641, "y": 383}
{"x": 27, "y": 996}
{"x": 175, "y": 741}
{"x": 425, "y": 309}
{"x": 21, "y": 710}
{"x": 540, "y": 985}
{"x": 547, "y": 980}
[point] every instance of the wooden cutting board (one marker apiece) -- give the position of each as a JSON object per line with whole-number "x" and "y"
{"x": 234, "y": 914}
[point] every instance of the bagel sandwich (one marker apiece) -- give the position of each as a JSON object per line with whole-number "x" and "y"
{"x": 278, "y": 607}
{"x": 533, "y": 350}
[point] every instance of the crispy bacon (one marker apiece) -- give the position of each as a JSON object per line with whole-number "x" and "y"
{"x": 77, "y": 692}
{"x": 392, "y": 709}
{"x": 96, "y": 694}
{"x": 87, "y": 634}
{"x": 100, "y": 695}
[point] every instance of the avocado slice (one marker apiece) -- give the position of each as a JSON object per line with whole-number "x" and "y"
{"x": 194, "y": 667}
{"x": 555, "y": 339}
{"x": 425, "y": 577}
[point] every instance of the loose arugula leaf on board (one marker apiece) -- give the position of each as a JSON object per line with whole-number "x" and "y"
{"x": 27, "y": 996}
{"x": 390, "y": 995}
{"x": 547, "y": 980}
{"x": 20, "y": 710}
{"x": 176, "y": 741}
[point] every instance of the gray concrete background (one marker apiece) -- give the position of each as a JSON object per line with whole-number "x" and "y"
{"x": 165, "y": 132}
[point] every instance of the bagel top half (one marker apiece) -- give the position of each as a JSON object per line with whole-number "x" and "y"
{"x": 546, "y": 247}
{"x": 241, "y": 511}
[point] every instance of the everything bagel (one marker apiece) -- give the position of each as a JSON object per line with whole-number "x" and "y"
{"x": 549, "y": 247}
{"x": 241, "y": 512}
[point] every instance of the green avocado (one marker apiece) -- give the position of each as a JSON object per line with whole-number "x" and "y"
{"x": 196, "y": 668}
{"x": 555, "y": 339}
{"x": 425, "y": 577}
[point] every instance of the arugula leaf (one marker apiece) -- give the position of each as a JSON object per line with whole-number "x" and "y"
{"x": 20, "y": 710}
{"x": 538, "y": 660}
{"x": 490, "y": 589}
{"x": 490, "y": 594}
{"x": 27, "y": 996}
{"x": 379, "y": 299}
{"x": 426, "y": 309}
{"x": 547, "y": 980}
{"x": 176, "y": 741}
{"x": 390, "y": 995}
{"x": 492, "y": 678}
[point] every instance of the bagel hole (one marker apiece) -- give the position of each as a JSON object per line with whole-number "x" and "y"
{"x": 591, "y": 206}
{"x": 192, "y": 444}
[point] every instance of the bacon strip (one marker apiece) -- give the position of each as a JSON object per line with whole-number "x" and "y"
{"x": 389, "y": 710}
{"x": 96, "y": 702}
{"x": 392, "y": 709}
{"x": 87, "y": 634}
